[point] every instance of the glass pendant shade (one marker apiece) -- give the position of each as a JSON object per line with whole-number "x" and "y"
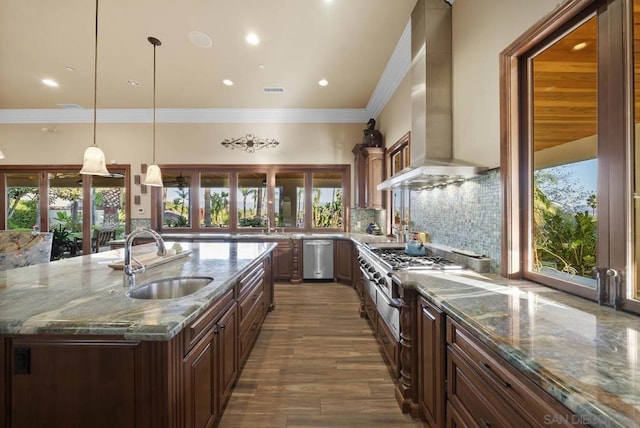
{"x": 1, "y": 155}
{"x": 154, "y": 176}
{"x": 94, "y": 163}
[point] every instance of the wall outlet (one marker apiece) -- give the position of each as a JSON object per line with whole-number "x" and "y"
{"x": 358, "y": 225}
{"x": 140, "y": 210}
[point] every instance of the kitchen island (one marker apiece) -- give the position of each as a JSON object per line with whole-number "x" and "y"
{"x": 77, "y": 351}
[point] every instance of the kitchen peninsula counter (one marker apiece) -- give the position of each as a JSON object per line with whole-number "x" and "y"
{"x": 584, "y": 355}
{"x": 84, "y": 296}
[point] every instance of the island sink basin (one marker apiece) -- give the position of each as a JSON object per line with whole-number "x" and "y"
{"x": 170, "y": 288}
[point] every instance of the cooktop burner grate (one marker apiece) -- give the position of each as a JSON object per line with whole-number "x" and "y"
{"x": 397, "y": 259}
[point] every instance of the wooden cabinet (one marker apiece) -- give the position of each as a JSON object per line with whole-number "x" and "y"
{"x": 485, "y": 390}
{"x": 54, "y": 382}
{"x": 369, "y": 172}
{"x": 344, "y": 260}
{"x": 286, "y": 261}
{"x": 200, "y": 392}
{"x": 211, "y": 365}
{"x": 431, "y": 362}
{"x": 253, "y": 308}
{"x": 228, "y": 353}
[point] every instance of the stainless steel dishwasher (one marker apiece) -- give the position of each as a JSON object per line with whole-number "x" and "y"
{"x": 317, "y": 259}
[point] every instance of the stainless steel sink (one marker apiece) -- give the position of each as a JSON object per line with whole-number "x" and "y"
{"x": 170, "y": 288}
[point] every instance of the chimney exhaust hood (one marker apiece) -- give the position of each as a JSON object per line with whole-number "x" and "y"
{"x": 432, "y": 160}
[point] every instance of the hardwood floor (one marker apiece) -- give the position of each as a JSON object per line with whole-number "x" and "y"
{"x": 315, "y": 364}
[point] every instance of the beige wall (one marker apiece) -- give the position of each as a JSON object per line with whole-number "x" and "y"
{"x": 395, "y": 119}
{"x": 179, "y": 144}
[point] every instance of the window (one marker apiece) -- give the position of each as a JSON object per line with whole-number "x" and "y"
{"x": 289, "y": 199}
{"x": 214, "y": 200}
{"x": 398, "y": 158}
{"x": 75, "y": 205}
{"x": 250, "y": 198}
{"x": 327, "y": 200}
{"x": 23, "y": 200}
{"x": 568, "y": 163}
{"x": 176, "y": 200}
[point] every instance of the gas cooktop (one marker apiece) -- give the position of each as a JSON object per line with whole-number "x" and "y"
{"x": 396, "y": 258}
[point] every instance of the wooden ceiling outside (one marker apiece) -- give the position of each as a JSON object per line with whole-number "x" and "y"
{"x": 565, "y": 89}
{"x": 565, "y": 86}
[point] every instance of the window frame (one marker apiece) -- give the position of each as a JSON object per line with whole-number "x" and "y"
{"x": 194, "y": 171}
{"x": 43, "y": 172}
{"x": 616, "y": 127}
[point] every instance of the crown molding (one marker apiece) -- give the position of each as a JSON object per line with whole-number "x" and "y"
{"x": 26, "y": 116}
{"x": 397, "y": 67}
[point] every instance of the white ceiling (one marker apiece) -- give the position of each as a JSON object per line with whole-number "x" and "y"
{"x": 347, "y": 42}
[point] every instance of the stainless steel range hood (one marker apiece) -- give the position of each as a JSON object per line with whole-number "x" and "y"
{"x": 432, "y": 160}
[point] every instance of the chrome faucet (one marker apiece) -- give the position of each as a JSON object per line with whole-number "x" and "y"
{"x": 130, "y": 271}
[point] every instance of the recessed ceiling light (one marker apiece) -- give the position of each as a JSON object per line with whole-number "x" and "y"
{"x": 69, "y": 68}
{"x": 579, "y": 46}
{"x": 323, "y": 82}
{"x": 252, "y": 39}
{"x": 227, "y": 82}
{"x": 261, "y": 66}
{"x": 50, "y": 82}
{"x": 133, "y": 82}
{"x": 200, "y": 39}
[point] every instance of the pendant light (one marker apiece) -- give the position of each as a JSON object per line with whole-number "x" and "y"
{"x": 154, "y": 176}
{"x": 94, "y": 163}
{"x": 1, "y": 155}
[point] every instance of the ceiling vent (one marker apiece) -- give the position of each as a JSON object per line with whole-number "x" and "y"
{"x": 273, "y": 90}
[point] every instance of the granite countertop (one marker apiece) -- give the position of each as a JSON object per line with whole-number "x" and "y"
{"x": 83, "y": 295}
{"x": 585, "y": 355}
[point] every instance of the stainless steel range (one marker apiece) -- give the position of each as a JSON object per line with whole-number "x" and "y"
{"x": 378, "y": 261}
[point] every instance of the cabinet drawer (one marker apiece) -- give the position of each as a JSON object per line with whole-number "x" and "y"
{"x": 519, "y": 392}
{"x": 251, "y": 299}
{"x": 250, "y": 329}
{"x": 390, "y": 347}
{"x": 256, "y": 311}
{"x": 197, "y": 328}
{"x": 477, "y": 401}
{"x": 253, "y": 277}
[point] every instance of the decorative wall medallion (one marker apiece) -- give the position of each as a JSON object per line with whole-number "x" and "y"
{"x": 250, "y": 143}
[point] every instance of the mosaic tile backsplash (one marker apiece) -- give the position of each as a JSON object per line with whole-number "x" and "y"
{"x": 465, "y": 215}
{"x": 360, "y": 218}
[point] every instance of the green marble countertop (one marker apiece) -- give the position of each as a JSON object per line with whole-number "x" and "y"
{"x": 83, "y": 295}
{"x": 585, "y": 355}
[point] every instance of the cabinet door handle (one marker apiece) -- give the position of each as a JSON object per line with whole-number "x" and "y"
{"x": 253, "y": 326}
{"x": 222, "y": 326}
{"x": 255, "y": 297}
{"x": 494, "y": 375}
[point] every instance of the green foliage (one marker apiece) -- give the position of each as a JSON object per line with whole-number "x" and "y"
{"x": 65, "y": 193}
{"x": 177, "y": 221}
{"x": 24, "y": 215}
{"x": 564, "y": 241}
{"x": 327, "y": 215}
{"x": 220, "y": 208}
{"x": 67, "y": 220}
{"x": 251, "y": 222}
{"x": 61, "y": 239}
